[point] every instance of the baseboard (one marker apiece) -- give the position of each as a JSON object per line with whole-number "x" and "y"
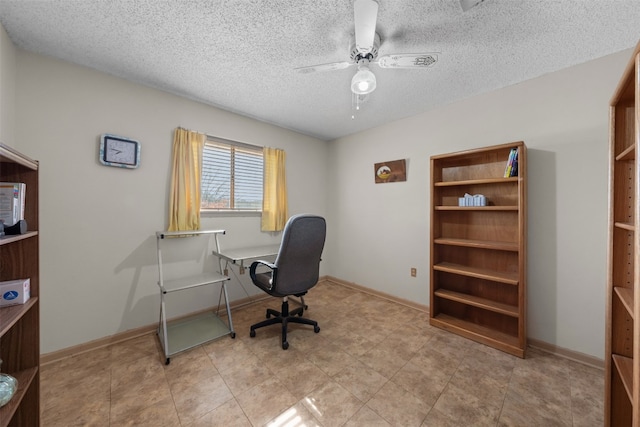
{"x": 55, "y": 356}
{"x": 566, "y": 353}
{"x": 411, "y": 304}
{"x": 144, "y": 330}
{"x": 134, "y": 333}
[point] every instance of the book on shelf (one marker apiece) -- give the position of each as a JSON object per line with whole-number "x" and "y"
{"x": 512, "y": 164}
{"x": 514, "y": 167}
{"x": 12, "y": 202}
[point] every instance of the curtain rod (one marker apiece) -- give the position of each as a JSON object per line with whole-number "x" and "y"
{"x": 227, "y": 141}
{"x": 230, "y": 141}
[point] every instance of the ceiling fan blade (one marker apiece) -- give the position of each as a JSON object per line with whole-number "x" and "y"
{"x": 408, "y": 60}
{"x": 468, "y": 4}
{"x": 324, "y": 67}
{"x": 365, "y": 13}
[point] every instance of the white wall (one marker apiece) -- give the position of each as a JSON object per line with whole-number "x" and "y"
{"x": 97, "y": 223}
{"x": 7, "y": 89}
{"x": 382, "y": 230}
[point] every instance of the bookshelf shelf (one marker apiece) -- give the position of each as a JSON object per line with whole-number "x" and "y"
{"x": 476, "y": 208}
{"x": 625, "y": 226}
{"x": 628, "y": 153}
{"x": 10, "y": 315}
{"x": 478, "y": 253}
{"x": 5, "y": 240}
{"x": 513, "y": 179}
{"x": 486, "y": 335}
{"x": 24, "y": 378}
{"x": 479, "y": 273}
{"x": 485, "y": 303}
{"x": 20, "y": 324}
{"x": 486, "y": 244}
{"x": 626, "y": 298}
{"x": 622, "y": 346}
{"x": 624, "y": 367}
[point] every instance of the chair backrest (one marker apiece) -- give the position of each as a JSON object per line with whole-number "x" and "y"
{"x": 298, "y": 259}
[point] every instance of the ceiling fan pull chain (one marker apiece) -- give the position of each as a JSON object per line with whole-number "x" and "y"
{"x": 354, "y": 105}
{"x": 356, "y": 101}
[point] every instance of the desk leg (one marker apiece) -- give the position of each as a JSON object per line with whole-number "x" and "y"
{"x": 162, "y": 328}
{"x": 226, "y": 301}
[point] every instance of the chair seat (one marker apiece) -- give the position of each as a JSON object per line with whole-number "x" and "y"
{"x": 263, "y": 281}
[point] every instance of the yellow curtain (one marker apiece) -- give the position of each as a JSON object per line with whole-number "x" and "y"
{"x": 274, "y": 198}
{"x": 184, "y": 199}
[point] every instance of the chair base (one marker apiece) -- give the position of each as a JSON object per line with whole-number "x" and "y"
{"x": 285, "y": 317}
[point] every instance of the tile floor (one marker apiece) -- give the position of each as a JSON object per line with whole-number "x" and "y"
{"x": 374, "y": 363}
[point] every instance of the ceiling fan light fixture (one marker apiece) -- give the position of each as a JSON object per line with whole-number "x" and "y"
{"x": 364, "y": 81}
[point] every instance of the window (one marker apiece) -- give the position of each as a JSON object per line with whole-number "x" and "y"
{"x": 232, "y": 175}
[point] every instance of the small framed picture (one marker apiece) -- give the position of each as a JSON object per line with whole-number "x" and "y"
{"x": 119, "y": 151}
{"x": 393, "y": 171}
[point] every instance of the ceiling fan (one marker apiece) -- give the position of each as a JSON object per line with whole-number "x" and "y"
{"x": 363, "y": 51}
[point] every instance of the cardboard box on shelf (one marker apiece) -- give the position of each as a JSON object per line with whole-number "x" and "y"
{"x": 14, "y": 292}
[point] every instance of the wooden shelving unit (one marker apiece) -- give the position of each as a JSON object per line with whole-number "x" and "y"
{"x": 20, "y": 324}
{"x": 622, "y": 359}
{"x": 478, "y": 254}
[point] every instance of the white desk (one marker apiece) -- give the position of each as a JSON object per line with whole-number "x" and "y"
{"x": 240, "y": 255}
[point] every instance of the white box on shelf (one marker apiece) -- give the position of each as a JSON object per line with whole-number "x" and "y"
{"x": 472, "y": 200}
{"x": 15, "y": 292}
{"x": 479, "y": 200}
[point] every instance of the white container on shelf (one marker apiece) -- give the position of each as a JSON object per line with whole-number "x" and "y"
{"x": 15, "y": 292}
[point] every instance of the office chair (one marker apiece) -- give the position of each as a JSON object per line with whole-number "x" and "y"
{"x": 294, "y": 272}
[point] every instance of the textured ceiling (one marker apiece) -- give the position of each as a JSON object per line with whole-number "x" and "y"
{"x": 240, "y": 55}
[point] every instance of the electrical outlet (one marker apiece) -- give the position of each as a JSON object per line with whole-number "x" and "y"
{"x": 414, "y": 272}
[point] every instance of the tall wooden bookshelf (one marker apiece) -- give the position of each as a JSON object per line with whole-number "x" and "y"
{"x": 622, "y": 359}
{"x": 478, "y": 253}
{"x": 20, "y": 324}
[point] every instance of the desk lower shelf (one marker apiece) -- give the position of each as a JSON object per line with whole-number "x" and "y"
{"x": 192, "y": 331}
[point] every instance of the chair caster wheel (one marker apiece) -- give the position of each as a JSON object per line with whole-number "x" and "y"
{"x": 252, "y": 334}
{"x": 233, "y": 334}
{"x": 285, "y": 345}
{"x": 166, "y": 362}
{"x": 316, "y": 329}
